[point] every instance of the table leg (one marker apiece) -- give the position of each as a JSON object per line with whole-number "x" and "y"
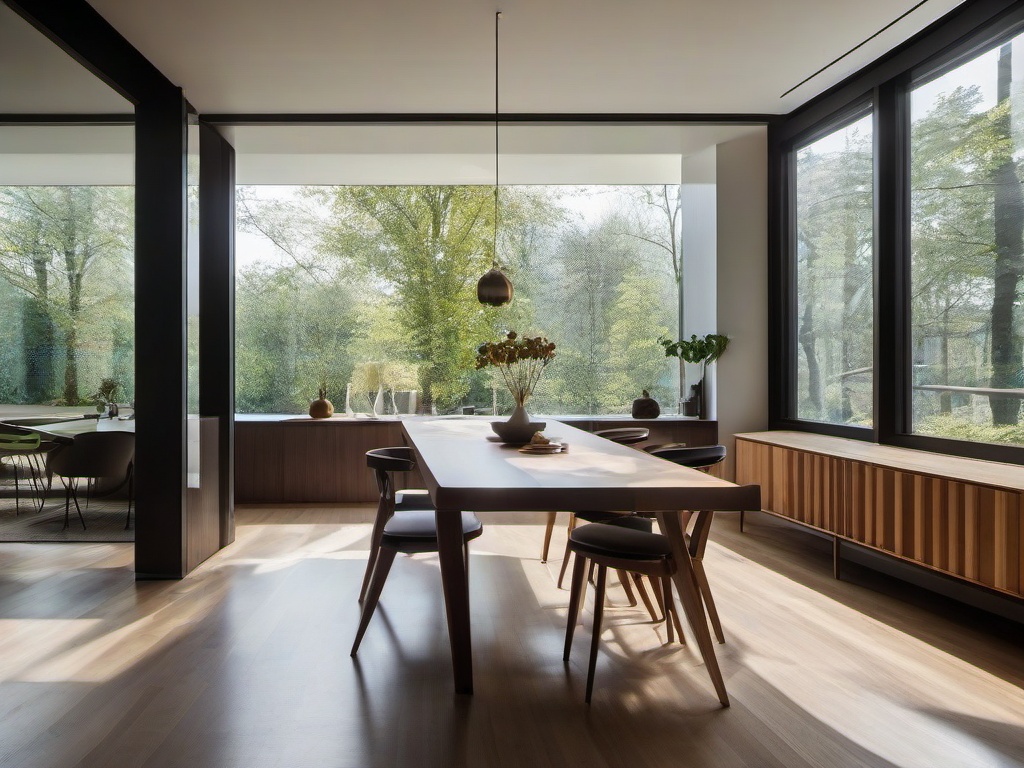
{"x": 456, "y": 596}
{"x": 686, "y": 587}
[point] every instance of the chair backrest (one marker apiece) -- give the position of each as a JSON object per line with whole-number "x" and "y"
{"x": 400, "y": 459}
{"x": 95, "y": 454}
{"x": 697, "y": 457}
{"x": 625, "y": 435}
{"x": 384, "y": 461}
{"x": 14, "y": 439}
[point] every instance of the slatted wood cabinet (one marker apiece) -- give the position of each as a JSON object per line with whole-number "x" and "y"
{"x": 955, "y": 515}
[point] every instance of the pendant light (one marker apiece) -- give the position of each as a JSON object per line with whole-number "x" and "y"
{"x": 494, "y": 287}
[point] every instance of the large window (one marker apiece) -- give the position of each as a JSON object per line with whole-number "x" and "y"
{"x": 917, "y": 199}
{"x": 371, "y": 290}
{"x": 66, "y": 288}
{"x": 833, "y": 242}
{"x": 967, "y": 236}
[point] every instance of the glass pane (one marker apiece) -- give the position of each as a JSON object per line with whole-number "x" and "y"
{"x": 834, "y": 269}
{"x": 370, "y": 292}
{"x": 967, "y": 217}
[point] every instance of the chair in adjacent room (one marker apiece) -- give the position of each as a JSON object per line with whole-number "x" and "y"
{"x": 18, "y": 445}
{"x": 92, "y": 456}
{"x": 405, "y": 523}
{"x": 636, "y": 551}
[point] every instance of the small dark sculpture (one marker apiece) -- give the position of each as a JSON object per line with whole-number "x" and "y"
{"x": 646, "y": 407}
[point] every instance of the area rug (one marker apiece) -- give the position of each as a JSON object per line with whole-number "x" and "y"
{"x": 104, "y": 520}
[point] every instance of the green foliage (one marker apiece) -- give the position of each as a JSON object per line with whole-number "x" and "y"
{"x": 66, "y": 259}
{"x": 959, "y": 427}
{"x": 703, "y": 351}
{"x": 412, "y": 256}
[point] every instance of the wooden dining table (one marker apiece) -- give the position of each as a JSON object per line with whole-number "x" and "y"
{"x": 465, "y": 468}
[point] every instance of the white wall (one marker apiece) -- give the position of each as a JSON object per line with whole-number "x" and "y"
{"x": 742, "y": 187}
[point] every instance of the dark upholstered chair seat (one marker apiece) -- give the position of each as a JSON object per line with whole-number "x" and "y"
{"x": 619, "y": 542}
{"x": 421, "y": 524}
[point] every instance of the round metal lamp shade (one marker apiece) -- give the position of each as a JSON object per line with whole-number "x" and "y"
{"x": 494, "y": 288}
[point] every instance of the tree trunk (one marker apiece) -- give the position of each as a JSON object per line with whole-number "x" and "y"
{"x": 37, "y": 336}
{"x": 71, "y": 396}
{"x": 850, "y": 286}
{"x": 945, "y": 398}
{"x": 1009, "y": 263}
{"x": 806, "y": 337}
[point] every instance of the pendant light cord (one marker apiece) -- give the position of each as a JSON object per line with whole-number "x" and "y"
{"x": 494, "y": 245}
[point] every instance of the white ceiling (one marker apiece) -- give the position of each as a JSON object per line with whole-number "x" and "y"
{"x": 393, "y": 56}
{"x": 612, "y": 56}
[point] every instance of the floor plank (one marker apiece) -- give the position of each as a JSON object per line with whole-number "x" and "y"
{"x": 245, "y": 663}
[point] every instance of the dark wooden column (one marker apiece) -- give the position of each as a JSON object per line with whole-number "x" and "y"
{"x": 217, "y": 308}
{"x": 160, "y": 220}
{"x": 160, "y": 367}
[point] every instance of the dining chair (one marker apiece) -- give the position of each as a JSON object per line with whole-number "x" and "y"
{"x": 94, "y": 455}
{"x": 385, "y": 462}
{"x": 620, "y": 435}
{"x": 650, "y": 554}
{"x": 401, "y": 526}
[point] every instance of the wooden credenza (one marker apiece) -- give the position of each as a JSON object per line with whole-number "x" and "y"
{"x": 955, "y": 515}
{"x": 294, "y": 460}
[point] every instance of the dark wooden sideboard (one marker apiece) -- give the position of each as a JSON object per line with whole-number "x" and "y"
{"x": 294, "y": 460}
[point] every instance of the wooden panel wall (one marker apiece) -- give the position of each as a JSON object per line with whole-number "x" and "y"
{"x": 309, "y": 461}
{"x": 968, "y": 530}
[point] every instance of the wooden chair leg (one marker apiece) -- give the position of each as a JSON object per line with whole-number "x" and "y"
{"x": 658, "y": 589}
{"x": 602, "y": 574}
{"x": 378, "y": 530}
{"x": 624, "y": 580}
{"x": 665, "y": 592}
{"x": 385, "y": 558}
{"x": 673, "y": 614}
{"x": 547, "y": 536}
{"x": 578, "y": 586}
{"x": 565, "y": 557}
{"x": 709, "y": 601}
{"x": 638, "y": 580}
{"x": 742, "y": 513}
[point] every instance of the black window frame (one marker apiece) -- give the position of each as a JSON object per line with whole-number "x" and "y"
{"x": 967, "y": 31}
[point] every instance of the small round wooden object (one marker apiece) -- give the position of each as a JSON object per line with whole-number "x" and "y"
{"x": 646, "y": 407}
{"x": 321, "y": 408}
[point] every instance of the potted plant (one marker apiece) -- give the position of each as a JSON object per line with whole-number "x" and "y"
{"x": 520, "y": 363}
{"x": 105, "y": 396}
{"x": 696, "y": 351}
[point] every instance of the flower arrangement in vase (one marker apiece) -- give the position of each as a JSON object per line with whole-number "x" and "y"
{"x": 520, "y": 361}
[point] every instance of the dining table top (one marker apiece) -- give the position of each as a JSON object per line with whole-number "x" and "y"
{"x": 64, "y": 430}
{"x": 465, "y": 466}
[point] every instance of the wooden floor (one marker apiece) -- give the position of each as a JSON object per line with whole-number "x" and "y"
{"x": 245, "y": 663}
